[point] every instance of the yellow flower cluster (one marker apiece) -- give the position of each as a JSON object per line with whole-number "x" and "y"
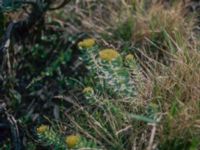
{"x": 72, "y": 141}
{"x": 88, "y": 90}
{"x": 42, "y": 129}
{"x": 129, "y": 57}
{"x": 87, "y": 43}
{"x": 108, "y": 54}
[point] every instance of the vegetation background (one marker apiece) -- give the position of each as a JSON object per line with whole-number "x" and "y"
{"x": 106, "y": 74}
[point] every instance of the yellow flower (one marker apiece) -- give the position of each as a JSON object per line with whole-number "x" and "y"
{"x": 42, "y": 128}
{"x": 88, "y": 90}
{"x": 129, "y": 57}
{"x": 87, "y": 43}
{"x": 72, "y": 141}
{"x": 108, "y": 54}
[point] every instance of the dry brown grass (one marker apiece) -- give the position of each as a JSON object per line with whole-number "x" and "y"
{"x": 92, "y": 16}
{"x": 177, "y": 91}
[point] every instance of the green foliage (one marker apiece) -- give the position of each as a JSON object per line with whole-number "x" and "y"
{"x": 85, "y": 143}
{"x": 112, "y": 77}
{"x": 124, "y": 31}
{"x": 50, "y": 137}
{"x": 183, "y": 144}
{"x": 6, "y": 5}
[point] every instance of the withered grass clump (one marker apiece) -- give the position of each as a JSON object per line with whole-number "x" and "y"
{"x": 176, "y": 91}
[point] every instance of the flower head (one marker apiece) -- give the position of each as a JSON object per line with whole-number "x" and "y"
{"x": 42, "y": 128}
{"x": 87, "y": 90}
{"x": 86, "y": 43}
{"x": 129, "y": 57}
{"x": 72, "y": 141}
{"x": 108, "y": 54}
